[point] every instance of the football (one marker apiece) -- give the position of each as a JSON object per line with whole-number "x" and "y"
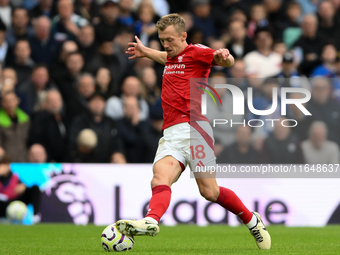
{"x": 113, "y": 240}
{"x": 16, "y": 211}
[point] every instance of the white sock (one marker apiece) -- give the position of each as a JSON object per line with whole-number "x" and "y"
{"x": 151, "y": 219}
{"x": 252, "y": 223}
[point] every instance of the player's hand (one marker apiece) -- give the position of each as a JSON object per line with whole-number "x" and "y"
{"x": 222, "y": 57}
{"x": 136, "y": 49}
{"x": 221, "y": 54}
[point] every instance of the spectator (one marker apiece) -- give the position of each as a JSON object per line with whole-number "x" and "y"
{"x": 109, "y": 146}
{"x": 20, "y": 28}
{"x": 241, "y": 151}
{"x": 45, "y": 48}
{"x": 88, "y": 9}
{"x": 195, "y": 36}
{"x": 336, "y": 81}
{"x": 133, "y": 130}
{"x": 2, "y": 152}
{"x": 317, "y": 149}
{"x": 78, "y": 103}
{"x": 224, "y": 133}
{"x": 304, "y": 121}
{"x": 67, "y": 80}
{"x": 288, "y": 67}
{"x": 106, "y": 58}
{"x": 53, "y": 138}
{"x": 203, "y": 19}
{"x": 104, "y": 84}
{"x": 293, "y": 17}
{"x": 115, "y": 105}
{"x": 279, "y": 47}
{"x": 36, "y": 88}
{"x": 264, "y": 100}
{"x": 154, "y": 133}
{"x": 37, "y": 154}
{"x": 22, "y": 64}
{"x": 136, "y": 67}
{"x": 239, "y": 76}
{"x": 309, "y": 7}
{"x": 222, "y": 11}
{"x": 240, "y": 44}
{"x": 327, "y": 68}
{"x": 120, "y": 46}
{"x": 6, "y": 13}
{"x": 161, "y": 7}
{"x": 106, "y": 29}
{"x": 144, "y": 26}
{"x": 9, "y": 83}
{"x": 290, "y": 29}
{"x": 86, "y": 43}
{"x": 282, "y": 147}
{"x": 44, "y": 7}
{"x": 276, "y": 13}
{"x": 84, "y": 151}
{"x": 65, "y": 26}
{"x": 327, "y": 20}
{"x": 14, "y": 125}
{"x": 86, "y": 85}
{"x": 5, "y": 53}
{"x": 323, "y": 108}
{"x": 238, "y": 15}
{"x": 309, "y": 46}
{"x": 263, "y": 62}
{"x": 59, "y": 67}
{"x": 126, "y": 16}
{"x": 11, "y": 189}
{"x": 258, "y": 18}
{"x": 150, "y": 91}
{"x": 290, "y": 76}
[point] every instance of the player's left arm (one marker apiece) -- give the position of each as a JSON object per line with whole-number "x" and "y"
{"x": 222, "y": 57}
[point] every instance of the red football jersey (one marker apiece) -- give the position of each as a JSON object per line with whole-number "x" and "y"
{"x": 194, "y": 61}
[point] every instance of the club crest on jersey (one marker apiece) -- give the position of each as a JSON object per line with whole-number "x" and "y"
{"x": 180, "y": 58}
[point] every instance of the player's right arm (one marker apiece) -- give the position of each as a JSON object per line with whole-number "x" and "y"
{"x": 138, "y": 50}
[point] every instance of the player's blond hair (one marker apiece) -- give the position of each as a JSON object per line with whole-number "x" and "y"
{"x": 172, "y": 19}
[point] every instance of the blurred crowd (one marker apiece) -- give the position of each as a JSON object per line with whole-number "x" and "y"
{"x": 70, "y": 94}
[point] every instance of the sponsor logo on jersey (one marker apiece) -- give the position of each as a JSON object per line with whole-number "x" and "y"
{"x": 175, "y": 66}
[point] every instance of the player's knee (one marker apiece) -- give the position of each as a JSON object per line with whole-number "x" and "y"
{"x": 209, "y": 195}
{"x": 158, "y": 180}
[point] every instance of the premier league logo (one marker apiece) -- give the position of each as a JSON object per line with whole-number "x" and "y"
{"x": 65, "y": 200}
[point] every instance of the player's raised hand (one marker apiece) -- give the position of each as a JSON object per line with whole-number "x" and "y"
{"x": 221, "y": 54}
{"x": 136, "y": 49}
{"x": 222, "y": 57}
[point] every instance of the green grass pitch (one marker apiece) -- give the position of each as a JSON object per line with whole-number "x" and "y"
{"x": 70, "y": 239}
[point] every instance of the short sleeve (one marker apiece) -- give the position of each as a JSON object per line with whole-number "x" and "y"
{"x": 204, "y": 54}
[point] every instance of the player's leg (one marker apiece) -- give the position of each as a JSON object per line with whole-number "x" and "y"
{"x": 225, "y": 197}
{"x": 229, "y": 200}
{"x": 202, "y": 159}
{"x": 165, "y": 172}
